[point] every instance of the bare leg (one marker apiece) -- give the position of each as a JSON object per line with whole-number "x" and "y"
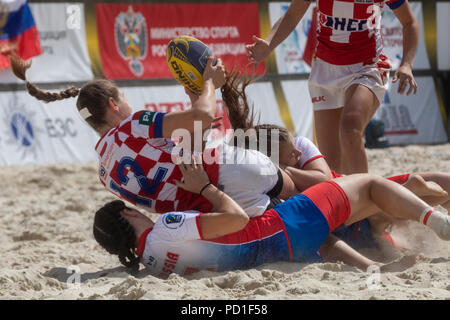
{"x": 360, "y": 105}
{"x": 442, "y": 179}
{"x": 365, "y": 191}
{"x": 327, "y": 134}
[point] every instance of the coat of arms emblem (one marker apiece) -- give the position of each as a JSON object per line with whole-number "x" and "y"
{"x": 130, "y": 31}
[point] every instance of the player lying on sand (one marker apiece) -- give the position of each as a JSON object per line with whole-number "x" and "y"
{"x": 306, "y": 166}
{"x": 226, "y": 239}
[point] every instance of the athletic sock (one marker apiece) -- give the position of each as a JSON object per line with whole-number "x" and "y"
{"x": 439, "y": 222}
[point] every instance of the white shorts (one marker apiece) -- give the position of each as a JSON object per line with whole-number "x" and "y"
{"x": 246, "y": 176}
{"x": 328, "y": 82}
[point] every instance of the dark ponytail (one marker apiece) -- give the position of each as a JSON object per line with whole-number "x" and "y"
{"x": 115, "y": 234}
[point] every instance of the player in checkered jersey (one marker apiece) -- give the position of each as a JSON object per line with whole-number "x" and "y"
{"x": 135, "y": 149}
{"x": 349, "y": 74}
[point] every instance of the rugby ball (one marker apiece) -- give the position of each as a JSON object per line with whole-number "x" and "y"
{"x": 187, "y": 58}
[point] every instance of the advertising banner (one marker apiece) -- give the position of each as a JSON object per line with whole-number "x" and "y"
{"x": 133, "y": 37}
{"x": 62, "y": 34}
{"x": 300, "y": 106}
{"x": 36, "y": 133}
{"x": 391, "y": 32}
{"x": 289, "y": 54}
{"x": 414, "y": 119}
{"x": 443, "y": 35}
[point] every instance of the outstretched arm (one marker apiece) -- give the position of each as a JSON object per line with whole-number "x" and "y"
{"x": 203, "y": 108}
{"x": 260, "y": 49}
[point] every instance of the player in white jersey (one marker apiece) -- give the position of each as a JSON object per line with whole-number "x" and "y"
{"x": 349, "y": 74}
{"x": 226, "y": 239}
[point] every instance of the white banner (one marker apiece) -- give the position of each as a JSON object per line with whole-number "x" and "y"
{"x": 414, "y": 119}
{"x": 443, "y": 35}
{"x": 32, "y": 132}
{"x": 391, "y": 31}
{"x": 300, "y": 106}
{"x": 289, "y": 54}
{"x": 62, "y": 34}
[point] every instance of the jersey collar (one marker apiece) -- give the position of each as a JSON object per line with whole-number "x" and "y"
{"x": 142, "y": 241}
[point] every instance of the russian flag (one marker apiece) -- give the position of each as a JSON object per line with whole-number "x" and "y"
{"x": 17, "y": 31}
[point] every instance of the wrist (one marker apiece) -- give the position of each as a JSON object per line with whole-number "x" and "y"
{"x": 205, "y": 188}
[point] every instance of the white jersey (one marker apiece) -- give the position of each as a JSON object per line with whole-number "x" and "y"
{"x": 246, "y": 176}
{"x": 309, "y": 151}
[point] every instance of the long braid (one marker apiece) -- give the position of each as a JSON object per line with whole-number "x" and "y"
{"x": 115, "y": 234}
{"x": 20, "y": 67}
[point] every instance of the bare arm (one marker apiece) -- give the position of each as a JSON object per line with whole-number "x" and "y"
{"x": 260, "y": 49}
{"x": 228, "y": 217}
{"x": 203, "y": 107}
{"x": 410, "y": 41}
{"x": 312, "y": 173}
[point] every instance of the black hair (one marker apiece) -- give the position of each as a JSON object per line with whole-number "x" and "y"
{"x": 115, "y": 234}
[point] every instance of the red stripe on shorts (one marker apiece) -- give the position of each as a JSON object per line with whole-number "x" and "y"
{"x": 332, "y": 201}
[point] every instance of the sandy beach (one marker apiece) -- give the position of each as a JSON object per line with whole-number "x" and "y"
{"x": 46, "y": 245}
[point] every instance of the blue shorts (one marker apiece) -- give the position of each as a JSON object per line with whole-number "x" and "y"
{"x": 309, "y": 218}
{"x": 306, "y": 228}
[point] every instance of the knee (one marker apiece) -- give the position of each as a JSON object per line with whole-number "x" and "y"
{"x": 351, "y": 131}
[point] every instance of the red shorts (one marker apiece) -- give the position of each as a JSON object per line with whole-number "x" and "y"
{"x": 332, "y": 201}
{"x": 400, "y": 179}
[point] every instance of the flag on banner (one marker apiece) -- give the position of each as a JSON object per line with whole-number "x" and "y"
{"x": 18, "y": 31}
{"x": 311, "y": 42}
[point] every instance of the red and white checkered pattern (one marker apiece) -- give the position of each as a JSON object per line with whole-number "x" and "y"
{"x": 348, "y": 32}
{"x": 132, "y": 154}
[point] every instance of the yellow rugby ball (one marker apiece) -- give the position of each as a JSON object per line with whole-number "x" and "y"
{"x": 187, "y": 58}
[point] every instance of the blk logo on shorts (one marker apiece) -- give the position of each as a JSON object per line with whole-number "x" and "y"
{"x": 318, "y": 99}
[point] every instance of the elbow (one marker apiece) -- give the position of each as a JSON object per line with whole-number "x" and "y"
{"x": 206, "y": 117}
{"x": 241, "y": 221}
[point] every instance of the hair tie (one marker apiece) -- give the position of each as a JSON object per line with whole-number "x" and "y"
{"x": 85, "y": 113}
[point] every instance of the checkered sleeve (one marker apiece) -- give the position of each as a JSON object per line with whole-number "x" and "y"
{"x": 147, "y": 124}
{"x": 394, "y": 4}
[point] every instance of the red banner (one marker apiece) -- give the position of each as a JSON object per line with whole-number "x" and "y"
{"x": 133, "y": 37}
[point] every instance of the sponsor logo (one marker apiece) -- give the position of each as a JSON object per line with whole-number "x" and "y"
{"x": 174, "y": 220}
{"x": 102, "y": 172}
{"x": 343, "y": 24}
{"x": 146, "y": 118}
{"x": 21, "y": 130}
{"x": 151, "y": 261}
{"x": 130, "y": 30}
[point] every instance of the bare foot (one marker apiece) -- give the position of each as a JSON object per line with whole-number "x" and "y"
{"x": 421, "y": 188}
{"x": 399, "y": 264}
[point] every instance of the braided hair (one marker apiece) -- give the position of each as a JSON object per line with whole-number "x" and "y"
{"x": 115, "y": 234}
{"x": 93, "y": 97}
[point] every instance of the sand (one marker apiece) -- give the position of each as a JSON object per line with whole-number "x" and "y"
{"x": 48, "y": 252}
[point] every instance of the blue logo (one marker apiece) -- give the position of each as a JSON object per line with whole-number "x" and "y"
{"x": 22, "y": 129}
{"x": 173, "y": 218}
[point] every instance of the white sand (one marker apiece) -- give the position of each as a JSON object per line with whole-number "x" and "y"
{"x": 46, "y": 215}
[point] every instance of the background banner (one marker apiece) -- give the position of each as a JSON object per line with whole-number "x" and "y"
{"x": 133, "y": 37}
{"x": 391, "y": 31}
{"x": 289, "y": 54}
{"x": 414, "y": 119}
{"x": 38, "y": 133}
{"x": 62, "y": 34}
{"x": 443, "y": 35}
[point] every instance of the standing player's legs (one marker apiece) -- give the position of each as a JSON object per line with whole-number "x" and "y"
{"x": 360, "y": 105}
{"x": 327, "y": 128}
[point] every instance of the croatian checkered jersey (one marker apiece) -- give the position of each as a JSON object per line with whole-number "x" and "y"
{"x": 135, "y": 163}
{"x": 348, "y": 31}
